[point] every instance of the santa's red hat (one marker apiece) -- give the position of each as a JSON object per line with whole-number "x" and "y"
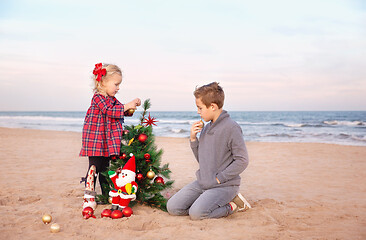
{"x": 130, "y": 165}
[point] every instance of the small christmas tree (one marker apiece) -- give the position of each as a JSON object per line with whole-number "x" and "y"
{"x": 151, "y": 178}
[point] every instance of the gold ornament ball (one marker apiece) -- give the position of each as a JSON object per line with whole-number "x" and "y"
{"x": 202, "y": 124}
{"x": 150, "y": 174}
{"x": 131, "y": 111}
{"x": 46, "y": 219}
{"x": 55, "y": 228}
{"x": 110, "y": 200}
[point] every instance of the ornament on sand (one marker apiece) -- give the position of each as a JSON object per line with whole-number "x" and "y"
{"x": 46, "y": 219}
{"x": 106, "y": 213}
{"x": 116, "y": 214}
{"x": 55, "y": 228}
{"x": 127, "y": 212}
{"x": 88, "y": 212}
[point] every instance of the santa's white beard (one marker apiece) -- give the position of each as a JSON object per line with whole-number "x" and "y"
{"x": 121, "y": 181}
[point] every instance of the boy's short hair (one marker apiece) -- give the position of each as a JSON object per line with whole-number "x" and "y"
{"x": 210, "y": 93}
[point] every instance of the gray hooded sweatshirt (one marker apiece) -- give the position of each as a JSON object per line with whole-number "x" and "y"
{"x": 221, "y": 153}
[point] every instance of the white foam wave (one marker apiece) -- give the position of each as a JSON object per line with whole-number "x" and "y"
{"x": 345, "y": 123}
{"x": 40, "y": 118}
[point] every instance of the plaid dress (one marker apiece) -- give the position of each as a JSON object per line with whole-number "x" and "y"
{"x": 102, "y": 131}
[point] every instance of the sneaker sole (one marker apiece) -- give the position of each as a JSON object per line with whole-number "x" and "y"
{"x": 247, "y": 205}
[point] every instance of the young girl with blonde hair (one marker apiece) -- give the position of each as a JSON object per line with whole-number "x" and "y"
{"x": 102, "y": 130}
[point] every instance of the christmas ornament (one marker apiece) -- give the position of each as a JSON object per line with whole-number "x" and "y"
{"x": 110, "y": 200}
{"x": 137, "y": 127}
{"x": 125, "y": 187}
{"x": 125, "y": 132}
{"x": 130, "y": 111}
{"x": 149, "y": 121}
{"x": 88, "y": 212}
{"x": 159, "y": 180}
{"x": 46, "y": 219}
{"x": 142, "y": 137}
{"x": 147, "y": 160}
{"x": 150, "y": 174}
{"x": 130, "y": 142}
{"x": 116, "y": 214}
{"x": 139, "y": 176}
{"x": 106, "y": 213}
{"x": 127, "y": 211}
{"x": 123, "y": 156}
{"x": 55, "y": 228}
{"x": 147, "y": 156}
{"x": 202, "y": 124}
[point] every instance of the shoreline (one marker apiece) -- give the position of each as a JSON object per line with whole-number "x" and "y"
{"x": 297, "y": 191}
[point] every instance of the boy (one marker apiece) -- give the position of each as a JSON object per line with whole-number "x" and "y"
{"x": 222, "y": 156}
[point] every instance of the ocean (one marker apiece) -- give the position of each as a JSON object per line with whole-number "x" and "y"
{"x": 338, "y": 127}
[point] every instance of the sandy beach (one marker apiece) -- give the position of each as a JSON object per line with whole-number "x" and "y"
{"x": 297, "y": 190}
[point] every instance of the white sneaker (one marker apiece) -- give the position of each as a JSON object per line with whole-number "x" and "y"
{"x": 241, "y": 203}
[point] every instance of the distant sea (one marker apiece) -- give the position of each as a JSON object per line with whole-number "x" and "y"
{"x": 339, "y": 127}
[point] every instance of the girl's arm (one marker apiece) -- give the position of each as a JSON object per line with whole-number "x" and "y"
{"x": 112, "y": 111}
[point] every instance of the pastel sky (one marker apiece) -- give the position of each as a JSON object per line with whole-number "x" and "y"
{"x": 267, "y": 55}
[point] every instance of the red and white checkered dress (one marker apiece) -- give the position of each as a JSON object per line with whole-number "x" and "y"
{"x": 102, "y": 131}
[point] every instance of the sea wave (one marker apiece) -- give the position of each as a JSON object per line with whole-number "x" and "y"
{"x": 345, "y": 123}
{"x": 41, "y": 118}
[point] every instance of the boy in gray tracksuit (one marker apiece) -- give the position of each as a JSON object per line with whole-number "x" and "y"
{"x": 222, "y": 156}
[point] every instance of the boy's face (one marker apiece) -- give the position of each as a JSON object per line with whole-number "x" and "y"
{"x": 206, "y": 113}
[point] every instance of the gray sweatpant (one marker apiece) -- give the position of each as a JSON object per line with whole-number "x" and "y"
{"x": 192, "y": 200}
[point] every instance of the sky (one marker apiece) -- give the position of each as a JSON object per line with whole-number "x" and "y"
{"x": 284, "y": 55}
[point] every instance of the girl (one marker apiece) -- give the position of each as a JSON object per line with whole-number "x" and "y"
{"x": 102, "y": 130}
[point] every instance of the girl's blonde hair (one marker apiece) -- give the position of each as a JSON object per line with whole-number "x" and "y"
{"x": 110, "y": 69}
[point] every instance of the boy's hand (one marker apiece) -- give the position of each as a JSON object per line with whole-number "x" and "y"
{"x": 195, "y": 128}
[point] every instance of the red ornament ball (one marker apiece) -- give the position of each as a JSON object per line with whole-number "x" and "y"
{"x": 88, "y": 212}
{"x": 142, "y": 137}
{"x": 147, "y": 156}
{"x": 139, "y": 176}
{"x": 123, "y": 156}
{"x": 147, "y": 160}
{"x": 116, "y": 214}
{"x": 106, "y": 213}
{"x": 127, "y": 212}
{"x": 159, "y": 180}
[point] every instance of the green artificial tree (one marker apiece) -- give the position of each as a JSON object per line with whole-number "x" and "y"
{"x": 151, "y": 177}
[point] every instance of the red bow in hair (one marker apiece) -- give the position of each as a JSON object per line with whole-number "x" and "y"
{"x": 99, "y": 71}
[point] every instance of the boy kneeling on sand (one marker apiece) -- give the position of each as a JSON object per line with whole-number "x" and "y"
{"x": 222, "y": 156}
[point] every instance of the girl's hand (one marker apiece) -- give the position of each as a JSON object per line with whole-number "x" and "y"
{"x": 133, "y": 104}
{"x": 195, "y": 128}
{"x": 137, "y": 101}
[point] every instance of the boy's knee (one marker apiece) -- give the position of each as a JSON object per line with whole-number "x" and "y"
{"x": 196, "y": 213}
{"x": 171, "y": 207}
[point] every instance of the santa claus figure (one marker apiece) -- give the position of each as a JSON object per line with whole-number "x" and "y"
{"x": 125, "y": 187}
